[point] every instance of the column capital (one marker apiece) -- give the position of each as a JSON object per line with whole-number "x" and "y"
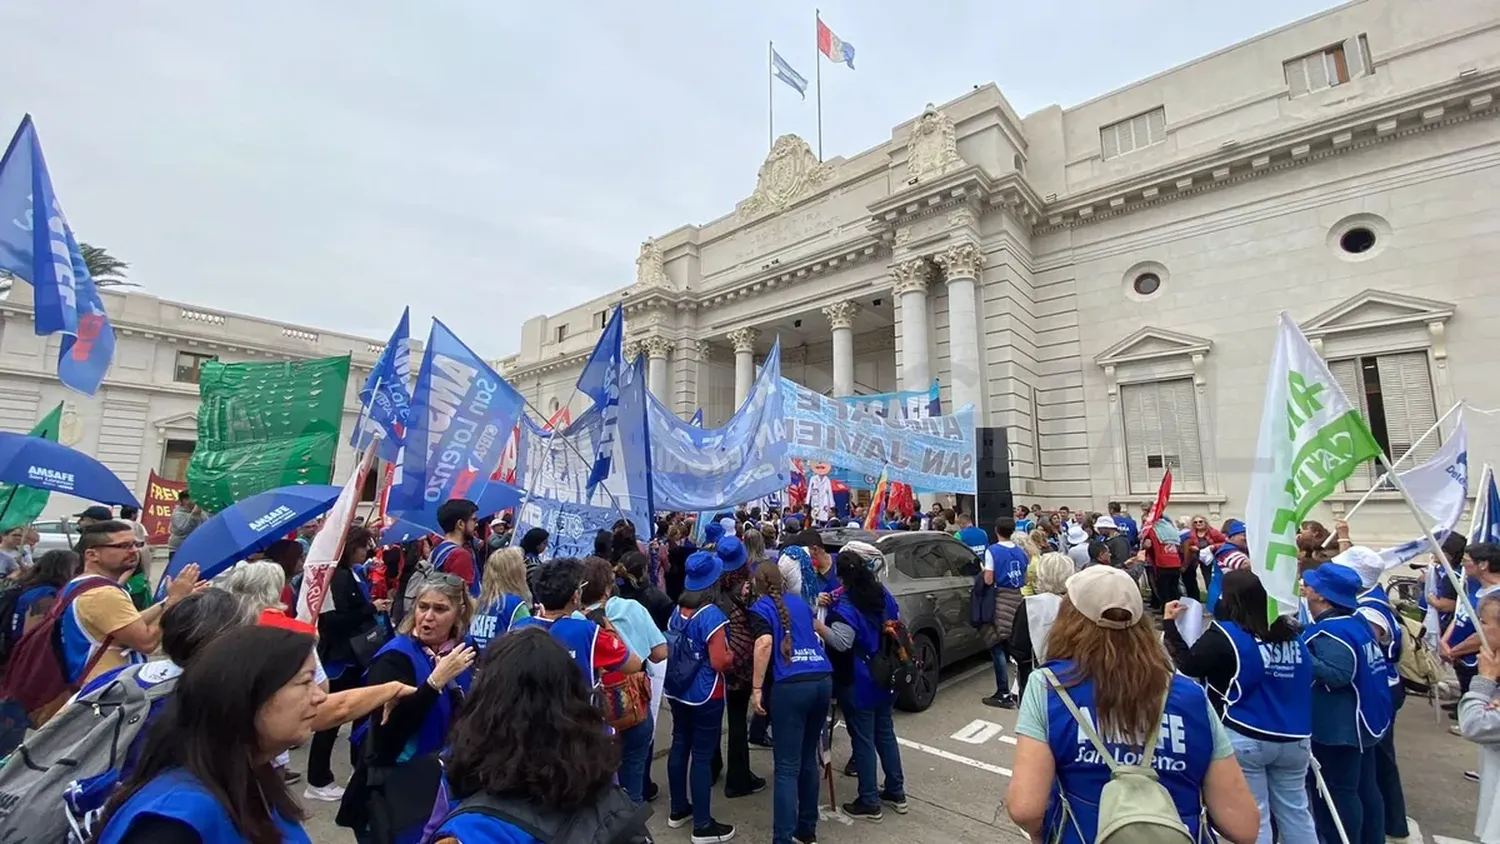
{"x": 657, "y": 347}
{"x": 743, "y": 339}
{"x": 633, "y": 348}
{"x": 961, "y": 261}
{"x": 911, "y": 276}
{"x": 841, "y": 314}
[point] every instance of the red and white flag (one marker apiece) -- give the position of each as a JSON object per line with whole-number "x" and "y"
{"x": 328, "y": 544}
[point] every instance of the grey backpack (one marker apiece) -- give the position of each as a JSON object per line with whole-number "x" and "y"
{"x": 88, "y": 737}
{"x": 1134, "y": 807}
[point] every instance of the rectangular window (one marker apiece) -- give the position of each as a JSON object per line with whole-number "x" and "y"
{"x": 188, "y": 364}
{"x": 1394, "y": 394}
{"x": 1317, "y": 71}
{"x": 1161, "y": 433}
{"x": 562, "y": 333}
{"x": 174, "y": 459}
{"x": 1130, "y": 135}
{"x": 601, "y": 319}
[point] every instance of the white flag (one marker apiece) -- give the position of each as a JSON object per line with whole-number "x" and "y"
{"x": 1311, "y": 440}
{"x": 328, "y": 544}
{"x": 1440, "y": 489}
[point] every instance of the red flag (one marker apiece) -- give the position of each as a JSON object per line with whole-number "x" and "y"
{"x": 1158, "y": 508}
{"x": 156, "y": 514}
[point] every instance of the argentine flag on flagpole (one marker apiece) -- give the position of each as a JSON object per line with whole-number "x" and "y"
{"x": 780, "y": 69}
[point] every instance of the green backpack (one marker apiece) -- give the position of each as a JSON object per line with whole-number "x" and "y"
{"x": 1134, "y": 807}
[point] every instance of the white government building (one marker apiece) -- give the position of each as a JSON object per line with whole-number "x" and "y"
{"x": 1102, "y": 281}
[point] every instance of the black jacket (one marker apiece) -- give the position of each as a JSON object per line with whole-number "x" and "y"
{"x": 351, "y": 612}
{"x": 612, "y": 819}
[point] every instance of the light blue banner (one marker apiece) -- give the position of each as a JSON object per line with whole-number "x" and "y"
{"x": 934, "y": 454}
{"x": 553, "y": 469}
{"x": 696, "y": 469}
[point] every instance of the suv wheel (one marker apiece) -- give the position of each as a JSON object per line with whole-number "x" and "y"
{"x": 918, "y": 696}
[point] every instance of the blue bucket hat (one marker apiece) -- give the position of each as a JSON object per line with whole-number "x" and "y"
{"x": 1234, "y": 528}
{"x": 732, "y": 552}
{"x": 712, "y": 532}
{"x": 703, "y": 570}
{"x": 1337, "y": 583}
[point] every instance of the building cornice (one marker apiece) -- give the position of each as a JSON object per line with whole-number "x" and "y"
{"x": 1462, "y": 99}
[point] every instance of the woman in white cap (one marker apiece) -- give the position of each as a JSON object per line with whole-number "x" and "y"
{"x": 1078, "y": 546}
{"x": 1104, "y": 656}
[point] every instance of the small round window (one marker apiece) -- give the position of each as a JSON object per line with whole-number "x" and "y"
{"x": 1146, "y": 284}
{"x": 1357, "y": 240}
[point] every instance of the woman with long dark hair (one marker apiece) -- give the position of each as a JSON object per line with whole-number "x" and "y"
{"x": 790, "y": 655}
{"x": 694, "y": 688}
{"x": 1104, "y": 656}
{"x": 532, "y": 747}
{"x": 1259, "y": 679}
{"x": 632, "y": 575}
{"x": 856, "y": 625}
{"x": 206, "y": 773}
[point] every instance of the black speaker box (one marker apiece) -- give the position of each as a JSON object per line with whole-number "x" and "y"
{"x": 995, "y": 497}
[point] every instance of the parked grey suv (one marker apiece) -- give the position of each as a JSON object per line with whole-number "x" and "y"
{"x": 930, "y": 574}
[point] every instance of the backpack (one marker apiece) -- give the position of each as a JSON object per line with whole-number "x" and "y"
{"x": 683, "y": 659}
{"x": 1418, "y": 666}
{"x": 892, "y": 665}
{"x": 612, "y": 819}
{"x": 86, "y": 741}
{"x": 1134, "y": 807}
{"x": 10, "y": 594}
{"x": 35, "y": 676}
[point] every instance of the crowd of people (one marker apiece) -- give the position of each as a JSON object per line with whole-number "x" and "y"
{"x": 499, "y": 693}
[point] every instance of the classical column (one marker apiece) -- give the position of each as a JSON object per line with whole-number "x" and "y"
{"x": 657, "y": 349}
{"x": 911, "y": 287}
{"x": 743, "y": 340}
{"x": 961, "y": 264}
{"x": 841, "y": 319}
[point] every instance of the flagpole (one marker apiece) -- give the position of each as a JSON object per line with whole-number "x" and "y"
{"x": 818, "y": 73}
{"x": 770, "y": 95}
{"x": 1375, "y": 487}
{"x": 1461, "y": 594}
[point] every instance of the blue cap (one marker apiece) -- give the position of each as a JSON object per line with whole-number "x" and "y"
{"x": 732, "y": 552}
{"x": 703, "y": 570}
{"x": 792, "y": 523}
{"x": 1234, "y": 528}
{"x": 712, "y": 532}
{"x": 1336, "y": 583}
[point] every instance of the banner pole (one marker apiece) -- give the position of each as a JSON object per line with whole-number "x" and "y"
{"x": 1338, "y": 822}
{"x": 1375, "y": 487}
{"x": 818, "y": 69}
{"x": 770, "y": 95}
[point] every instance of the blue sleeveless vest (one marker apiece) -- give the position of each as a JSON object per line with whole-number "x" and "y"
{"x": 1010, "y": 565}
{"x": 492, "y": 621}
{"x": 178, "y": 795}
{"x": 1463, "y": 626}
{"x": 433, "y": 733}
{"x": 476, "y": 827}
{"x": 1372, "y": 697}
{"x": 867, "y": 630}
{"x": 1184, "y": 750}
{"x": 808, "y": 656}
{"x": 439, "y": 556}
{"x": 701, "y": 627}
{"x": 1271, "y": 692}
{"x": 575, "y": 634}
{"x": 1377, "y": 600}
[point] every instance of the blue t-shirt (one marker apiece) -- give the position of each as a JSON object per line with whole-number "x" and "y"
{"x": 633, "y": 624}
{"x": 975, "y": 538}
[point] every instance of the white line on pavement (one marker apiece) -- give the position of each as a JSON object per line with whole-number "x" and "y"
{"x": 952, "y": 757}
{"x": 978, "y": 732}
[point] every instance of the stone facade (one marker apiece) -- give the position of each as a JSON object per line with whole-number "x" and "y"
{"x": 1103, "y": 280}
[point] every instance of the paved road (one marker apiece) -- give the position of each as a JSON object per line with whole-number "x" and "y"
{"x": 957, "y": 758}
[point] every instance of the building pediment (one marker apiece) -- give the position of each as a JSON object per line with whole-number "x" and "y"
{"x": 790, "y": 173}
{"x": 178, "y": 422}
{"x": 1152, "y": 344}
{"x": 1375, "y": 309}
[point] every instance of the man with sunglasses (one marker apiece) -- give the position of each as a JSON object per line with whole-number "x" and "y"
{"x": 102, "y": 630}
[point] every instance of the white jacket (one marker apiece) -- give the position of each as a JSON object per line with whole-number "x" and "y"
{"x": 1479, "y": 721}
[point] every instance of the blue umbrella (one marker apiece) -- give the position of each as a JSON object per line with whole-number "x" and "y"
{"x": 43, "y": 464}
{"x": 248, "y": 526}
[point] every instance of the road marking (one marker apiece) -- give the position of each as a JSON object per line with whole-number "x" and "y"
{"x": 1008, "y": 740}
{"x": 1443, "y": 839}
{"x": 953, "y": 757}
{"x": 978, "y": 732}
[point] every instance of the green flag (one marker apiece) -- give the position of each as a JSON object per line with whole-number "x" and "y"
{"x": 265, "y": 425}
{"x": 1311, "y": 439}
{"x": 22, "y": 504}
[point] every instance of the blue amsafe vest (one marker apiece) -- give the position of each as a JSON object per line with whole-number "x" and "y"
{"x": 1010, "y": 565}
{"x": 808, "y": 656}
{"x": 477, "y": 827}
{"x": 1372, "y": 696}
{"x": 492, "y": 621}
{"x": 867, "y": 630}
{"x": 1184, "y": 750}
{"x": 1463, "y": 626}
{"x": 178, "y": 795}
{"x": 1271, "y": 692}
{"x": 434, "y": 730}
{"x": 577, "y": 635}
{"x": 704, "y": 623}
{"x": 1377, "y": 600}
{"x": 439, "y": 556}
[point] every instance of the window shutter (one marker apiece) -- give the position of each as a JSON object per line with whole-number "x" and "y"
{"x": 1161, "y": 421}
{"x": 1156, "y": 123}
{"x": 1141, "y": 128}
{"x": 1346, "y": 375}
{"x": 1135, "y": 436}
{"x": 1109, "y": 137}
{"x": 1180, "y": 434}
{"x": 1406, "y": 388}
{"x": 1317, "y": 72}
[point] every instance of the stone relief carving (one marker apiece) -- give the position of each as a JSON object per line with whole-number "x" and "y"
{"x": 960, "y": 217}
{"x": 961, "y": 260}
{"x": 911, "y": 276}
{"x": 841, "y": 314}
{"x": 903, "y": 235}
{"x": 743, "y": 339}
{"x": 933, "y": 147}
{"x": 69, "y": 427}
{"x": 789, "y": 173}
{"x": 650, "y": 267}
{"x": 657, "y": 347}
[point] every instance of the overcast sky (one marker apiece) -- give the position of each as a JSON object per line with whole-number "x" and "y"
{"x": 326, "y": 162}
